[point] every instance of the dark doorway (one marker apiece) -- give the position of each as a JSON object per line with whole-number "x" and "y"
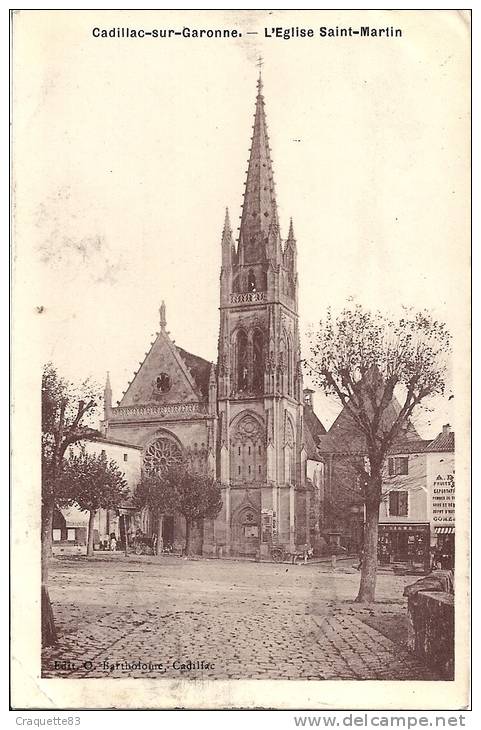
{"x": 168, "y": 530}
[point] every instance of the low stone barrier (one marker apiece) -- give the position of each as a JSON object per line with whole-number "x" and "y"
{"x": 431, "y": 629}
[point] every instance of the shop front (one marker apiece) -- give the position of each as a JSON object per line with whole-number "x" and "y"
{"x": 69, "y": 530}
{"x": 405, "y": 543}
{"x": 444, "y": 548}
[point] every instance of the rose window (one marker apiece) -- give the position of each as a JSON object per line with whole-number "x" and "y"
{"x": 162, "y": 454}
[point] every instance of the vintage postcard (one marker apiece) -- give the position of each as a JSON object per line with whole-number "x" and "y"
{"x": 241, "y": 366}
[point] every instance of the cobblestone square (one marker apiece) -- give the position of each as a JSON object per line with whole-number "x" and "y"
{"x": 222, "y": 619}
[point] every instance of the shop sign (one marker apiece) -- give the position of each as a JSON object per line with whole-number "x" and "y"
{"x": 404, "y": 528}
{"x": 267, "y": 522}
{"x": 443, "y": 500}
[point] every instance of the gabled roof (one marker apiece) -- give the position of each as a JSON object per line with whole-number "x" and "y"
{"x": 443, "y": 442}
{"x": 199, "y": 369}
{"x": 415, "y": 446}
{"x": 313, "y": 429}
{"x": 189, "y": 373}
{"x": 344, "y": 436}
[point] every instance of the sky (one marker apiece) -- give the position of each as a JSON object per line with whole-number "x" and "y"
{"x": 127, "y": 152}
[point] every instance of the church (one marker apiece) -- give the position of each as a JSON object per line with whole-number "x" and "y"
{"x": 243, "y": 419}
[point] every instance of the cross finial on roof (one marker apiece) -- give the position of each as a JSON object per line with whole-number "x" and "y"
{"x": 259, "y": 64}
{"x": 163, "y": 319}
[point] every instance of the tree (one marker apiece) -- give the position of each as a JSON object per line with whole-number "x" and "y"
{"x": 64, "y": 413}
{"x": 94, "y": 483}
{"x": 179, "y": 488}
{"x": 381, "y": 370}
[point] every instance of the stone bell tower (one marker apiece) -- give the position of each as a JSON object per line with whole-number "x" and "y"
{"x": 261, "y": 461}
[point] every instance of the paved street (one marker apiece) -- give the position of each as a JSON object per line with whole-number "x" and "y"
{"x": 149, "y": 617}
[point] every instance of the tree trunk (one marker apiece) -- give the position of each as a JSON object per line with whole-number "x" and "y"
{"x": 47, "y": 525}
{"x": 90, "y": 541}
{"x": 124, "y": 537}
{"x": 49, "y": 633}
{"x": 160, "y": 542}
{"x": 187, "y": 536}
{"x": 367, "y": 588}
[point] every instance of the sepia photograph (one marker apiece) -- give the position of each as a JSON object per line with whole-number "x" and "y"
{"x": 241, "y": 358}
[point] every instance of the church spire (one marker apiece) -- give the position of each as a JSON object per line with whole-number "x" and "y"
{"x": 228, "y": 248}
{"x": 259, "y": 218}
{"x": 107, "y": 397}
{"x": 227, "y": 227}
{"x": 290, "y": 236}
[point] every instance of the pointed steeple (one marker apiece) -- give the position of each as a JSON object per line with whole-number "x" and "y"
{"x": 107, "y": 397}
{"x": 259, "y": 220}
{"x": 163, "y": 320}
{"x": 290, "y": 250}
{"x": 290, "y": 236}
{"x": 228, "y": 248}
{"x": 227, "y": 227}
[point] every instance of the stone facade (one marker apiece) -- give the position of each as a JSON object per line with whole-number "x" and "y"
{"x": 243, "y": 419}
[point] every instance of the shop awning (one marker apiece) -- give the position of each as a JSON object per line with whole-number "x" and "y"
{"x": 74, "y": 517}
{"x": 444, "y": 530}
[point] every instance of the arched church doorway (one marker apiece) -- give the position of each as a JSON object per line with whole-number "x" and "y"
{"x": 168, "y": 531}
{"x": 246, "y": 531}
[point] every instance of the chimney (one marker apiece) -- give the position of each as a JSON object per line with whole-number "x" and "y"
{"x": 447, "y": 428}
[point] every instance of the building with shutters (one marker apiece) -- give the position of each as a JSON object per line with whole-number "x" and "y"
{"x": 417, "y": 515}
{"x": 70, "y": 524}
{"x": 417, "y": 511}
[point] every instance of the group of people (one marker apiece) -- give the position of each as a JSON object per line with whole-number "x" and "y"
{"x": 109, "y": 542}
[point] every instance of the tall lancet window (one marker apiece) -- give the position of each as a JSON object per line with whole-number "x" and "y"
{"x": 289, "y": 367}
{"x": 289, "y": 470}
{"x": 242, "y": 361}
{"x": 251, "y": 281}
{"x": 258, "y": 362}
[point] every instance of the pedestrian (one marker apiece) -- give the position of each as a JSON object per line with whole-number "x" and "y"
{"x": 437, "y": 555}
{"x": 294, "y": 554}
{"x": 361, "y": 557}
{"x": 113, "y": 542}
{"x": 307, "y": 553}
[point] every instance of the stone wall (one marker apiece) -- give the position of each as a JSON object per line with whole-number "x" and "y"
{"x": 431, "y": 629}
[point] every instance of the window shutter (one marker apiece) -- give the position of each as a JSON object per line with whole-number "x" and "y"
{"x": 403, "y": 504}
{"x": 390, "y": 467}
{"x": 403, "y": 465}
{"x": 394, "y": 503}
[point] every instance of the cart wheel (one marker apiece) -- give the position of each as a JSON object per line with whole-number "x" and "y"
{"x": 276, "y": 556}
